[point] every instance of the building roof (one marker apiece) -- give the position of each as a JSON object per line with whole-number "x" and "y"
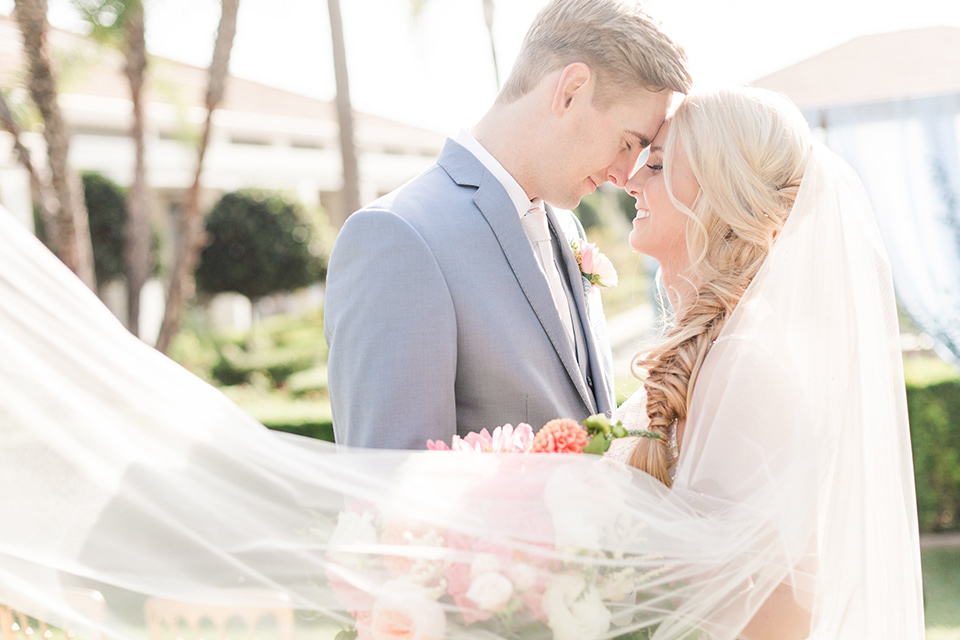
{"x": 874, "y": 68}
{"x": 101, "y": 75}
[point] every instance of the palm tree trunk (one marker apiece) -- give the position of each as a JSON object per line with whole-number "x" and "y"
{"x": 488, "y": 18}
{"x": 350, "y": 201}
{"x": 73, "y": 231}
{"x": 137, "y": 251}
{"x": 40, "y": 192}
{"x": 191, "y": 237}
{"x": 418, "y": 6}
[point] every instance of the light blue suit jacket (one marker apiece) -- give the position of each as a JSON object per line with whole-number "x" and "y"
{"x": 439, "y": 320}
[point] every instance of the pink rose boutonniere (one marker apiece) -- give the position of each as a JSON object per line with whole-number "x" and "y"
{"x": 596, "y": 268}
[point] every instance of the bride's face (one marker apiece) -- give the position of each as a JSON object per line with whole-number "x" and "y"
{"x": 659, "y": 230}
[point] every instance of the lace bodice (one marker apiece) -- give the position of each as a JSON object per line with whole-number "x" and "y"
{"x": 632, "y": 414}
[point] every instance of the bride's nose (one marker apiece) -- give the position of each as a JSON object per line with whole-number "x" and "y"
{"x": 635, "y": 184}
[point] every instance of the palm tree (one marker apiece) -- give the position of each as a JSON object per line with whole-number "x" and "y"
{"x": 350, "y": 201}
{"x": 72, "y": 234}
{"x": 418, "y": 6}
{"x": 120, "y": 23}
{"x": 43, "y": 199}
{"x": 190, "y": 240}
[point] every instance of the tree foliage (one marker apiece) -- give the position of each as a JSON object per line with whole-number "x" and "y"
{"x": 107, "y": 210}
{"x": 259, "y": 244}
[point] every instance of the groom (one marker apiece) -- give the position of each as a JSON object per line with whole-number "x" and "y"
{"x": 455, "y": 302}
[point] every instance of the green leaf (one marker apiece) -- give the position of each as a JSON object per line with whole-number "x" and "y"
{"x": 619, "y": 431}
{"x": 346, "y": 634}
{"x": 598, "y": 445}
{"x": 597, "y": 424}
{"x": 649, "y": 434}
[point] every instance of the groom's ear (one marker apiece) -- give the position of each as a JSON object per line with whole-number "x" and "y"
{"x": 573, "y": 85}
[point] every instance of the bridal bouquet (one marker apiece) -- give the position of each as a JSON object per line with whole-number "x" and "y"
{"x": 402, "y": 576}
{"x": 562, "y": 435}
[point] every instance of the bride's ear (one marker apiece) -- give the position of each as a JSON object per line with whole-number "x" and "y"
{"x": 574, "y": 85}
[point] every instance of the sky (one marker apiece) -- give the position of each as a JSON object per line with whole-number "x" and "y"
{"x": 436, "y": 71}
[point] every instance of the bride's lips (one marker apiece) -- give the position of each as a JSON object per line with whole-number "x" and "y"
{"x": 642, "y": 214}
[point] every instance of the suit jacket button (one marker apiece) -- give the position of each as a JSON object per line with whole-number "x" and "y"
{"x": 590, "y": 382}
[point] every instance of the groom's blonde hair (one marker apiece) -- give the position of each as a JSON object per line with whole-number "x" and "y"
{"x": 622, "y": 45}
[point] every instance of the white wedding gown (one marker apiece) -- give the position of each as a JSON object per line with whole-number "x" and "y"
{"x": 125, "y": 474}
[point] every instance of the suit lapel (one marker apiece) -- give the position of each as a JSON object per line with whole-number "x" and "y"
{"x": 575, "y": 279}
{"x": 498, "y": 210}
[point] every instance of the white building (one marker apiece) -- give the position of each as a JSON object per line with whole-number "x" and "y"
{"x": 262, "y": 136}
{"x": 889, "y": 104}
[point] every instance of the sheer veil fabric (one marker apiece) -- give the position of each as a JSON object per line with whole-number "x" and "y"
{"x": 124, "y": 473}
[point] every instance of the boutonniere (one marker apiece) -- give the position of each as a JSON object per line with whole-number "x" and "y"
{"x": 596, "y": 268}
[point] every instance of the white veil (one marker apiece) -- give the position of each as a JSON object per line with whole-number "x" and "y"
{"x": 128, "y": 484}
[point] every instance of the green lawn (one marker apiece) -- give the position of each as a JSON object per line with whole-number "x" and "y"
{"x": 941, "y": 593}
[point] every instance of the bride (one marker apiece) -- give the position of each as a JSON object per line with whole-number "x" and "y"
{"x": 777, "y": 501}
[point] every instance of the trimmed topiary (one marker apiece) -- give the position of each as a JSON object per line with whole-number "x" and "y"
{"x": 259, "y": 244}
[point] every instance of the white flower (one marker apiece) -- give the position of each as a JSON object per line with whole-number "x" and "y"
{"x": 574, "y": 610}
{"x": 353, "y": 529}
{"x": 523, "y": 576}
{"x": 584, "y": 503}
{"x": 490, "y": 591}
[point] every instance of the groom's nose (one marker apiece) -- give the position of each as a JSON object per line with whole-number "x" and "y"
{"x": 622, "y": 168}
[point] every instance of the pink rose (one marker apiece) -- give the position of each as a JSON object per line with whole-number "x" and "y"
{"x": 364, "y": 620}
{"x": 594, "y": 266}
{"x": 606, "y": 271}
{"x": 587, "y": 250}
{"x": 405, "y": 612}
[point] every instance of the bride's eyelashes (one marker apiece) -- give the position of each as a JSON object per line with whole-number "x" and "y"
{"x": 655, "y": 167}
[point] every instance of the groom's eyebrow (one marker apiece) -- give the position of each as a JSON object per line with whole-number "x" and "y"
{"x": 642, "y": 139}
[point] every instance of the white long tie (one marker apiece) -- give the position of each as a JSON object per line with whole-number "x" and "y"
{"x": 535, "y": 226}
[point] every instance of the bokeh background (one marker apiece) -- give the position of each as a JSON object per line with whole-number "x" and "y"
{"x": 879, "y": 81}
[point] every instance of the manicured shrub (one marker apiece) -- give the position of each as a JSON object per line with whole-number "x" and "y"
{"x": 935, "y": 433}
{"x": 236, "y": 366}
{"x": 259, "y": 244}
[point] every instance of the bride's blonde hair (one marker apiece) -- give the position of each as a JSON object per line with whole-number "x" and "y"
{"x": 747, "y": 149}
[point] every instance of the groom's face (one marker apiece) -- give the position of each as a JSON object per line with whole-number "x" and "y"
{"x": 602, "y": 144}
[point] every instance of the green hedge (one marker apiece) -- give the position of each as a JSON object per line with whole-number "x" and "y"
{"x": 301, "y": 417}
{"x": 236, "y": 366}
{"x": 935, "y": 432}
